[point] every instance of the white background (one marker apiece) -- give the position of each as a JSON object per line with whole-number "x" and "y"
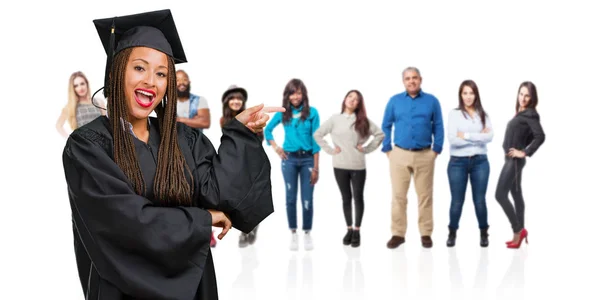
{"x": 332, "y": 47}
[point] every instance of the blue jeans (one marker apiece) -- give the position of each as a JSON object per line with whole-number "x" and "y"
{"x": 298, "y": 166}
{"x": 460, "y": 170}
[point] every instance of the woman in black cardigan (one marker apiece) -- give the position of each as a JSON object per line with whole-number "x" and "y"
{"x": 523, "y": 137}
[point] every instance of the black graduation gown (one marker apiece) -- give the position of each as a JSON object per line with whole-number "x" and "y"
{"x": 128, "y": 246}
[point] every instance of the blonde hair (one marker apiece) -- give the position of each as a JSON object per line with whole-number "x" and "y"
{"x": 73, "y": 99}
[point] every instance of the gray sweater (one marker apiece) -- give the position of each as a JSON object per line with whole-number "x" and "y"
{"x": 343, "y": 135}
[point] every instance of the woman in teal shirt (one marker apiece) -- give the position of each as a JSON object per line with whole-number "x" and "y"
{"x": 299, "y": 155}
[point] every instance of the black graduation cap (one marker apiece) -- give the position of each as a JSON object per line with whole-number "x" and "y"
{"x": 155, "y": 29}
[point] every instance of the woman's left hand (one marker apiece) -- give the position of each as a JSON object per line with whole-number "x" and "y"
{"x": 314, "y": 176}
{"x": 512, "y": 152}
{"x": 360, "y": 148}
{"x": 256, "y": 117}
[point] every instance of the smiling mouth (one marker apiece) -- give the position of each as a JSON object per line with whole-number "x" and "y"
{"x": 144, "y": 98}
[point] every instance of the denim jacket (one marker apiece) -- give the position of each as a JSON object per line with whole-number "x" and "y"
{"x": 194, "y": 101}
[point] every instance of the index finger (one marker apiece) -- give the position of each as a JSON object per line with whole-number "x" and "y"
{"x": 225, "y": 230}
{"x": 270, "y": 109}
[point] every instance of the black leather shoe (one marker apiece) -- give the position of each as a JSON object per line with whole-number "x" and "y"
{"x": 355, "y": 241}
{"x": 348, "y": 237}
{"x": 451, "y": 238}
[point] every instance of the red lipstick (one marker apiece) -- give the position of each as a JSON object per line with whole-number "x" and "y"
{"x": 144, "y": 97}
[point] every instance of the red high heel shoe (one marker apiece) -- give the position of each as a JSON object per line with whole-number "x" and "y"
{"x": 523, "y": 235}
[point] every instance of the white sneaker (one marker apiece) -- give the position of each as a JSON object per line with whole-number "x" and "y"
{"x": 308, "y": 243}
{"x": 294, "y": 243}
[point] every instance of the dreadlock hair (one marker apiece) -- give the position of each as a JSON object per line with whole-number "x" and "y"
{"x": 170, "y": 184}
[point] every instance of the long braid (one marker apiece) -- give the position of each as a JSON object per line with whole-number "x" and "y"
{"x": 124, "y": 148}
{"x": 170, "y": 184}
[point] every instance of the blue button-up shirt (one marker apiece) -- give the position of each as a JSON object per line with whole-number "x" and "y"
{"x": 415, "y": 121}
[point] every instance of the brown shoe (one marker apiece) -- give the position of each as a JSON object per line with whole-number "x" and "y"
{"x": 426, "y": 241}
{"x": 395, "y": 241}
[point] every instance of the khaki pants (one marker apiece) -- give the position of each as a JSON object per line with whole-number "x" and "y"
{"x": 404, "y": 164}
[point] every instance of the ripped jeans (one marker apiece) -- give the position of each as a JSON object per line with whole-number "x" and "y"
{"x": 298, "y": 166}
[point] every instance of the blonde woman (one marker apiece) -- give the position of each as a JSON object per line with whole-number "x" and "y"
{"x": 79, "y": 109}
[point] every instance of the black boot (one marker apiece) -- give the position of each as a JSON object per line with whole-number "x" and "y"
{"x": 451, "y": 238}
{"x": 484, "y": 238}
{"x": 348, "y": 237}
{"x": 355, "y": 238}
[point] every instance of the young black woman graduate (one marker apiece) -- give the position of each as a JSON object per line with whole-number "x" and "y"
{"x": 145, "y": 191}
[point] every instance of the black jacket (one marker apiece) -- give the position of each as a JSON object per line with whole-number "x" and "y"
{"x": 524, "y": 132}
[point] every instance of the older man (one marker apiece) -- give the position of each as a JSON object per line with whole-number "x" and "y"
{"x": 418, "y": 138}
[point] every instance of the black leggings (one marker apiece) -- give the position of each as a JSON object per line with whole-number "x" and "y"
{"x": 352, "y": 182}
{"x": 510, "y": 181}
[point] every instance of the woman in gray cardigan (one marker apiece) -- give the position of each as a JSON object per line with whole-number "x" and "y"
{"x": 349, "y": 131}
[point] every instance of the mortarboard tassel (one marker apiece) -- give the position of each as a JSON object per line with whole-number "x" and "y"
{"x": 110, "y": 55}
{"x": 109, "y": 58}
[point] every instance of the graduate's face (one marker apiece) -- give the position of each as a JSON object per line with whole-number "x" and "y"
{"x": 145, "y": 81}
{"x": 80, "y": 86}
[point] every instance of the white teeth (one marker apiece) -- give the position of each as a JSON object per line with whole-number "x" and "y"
{"x": 144, "y": 93}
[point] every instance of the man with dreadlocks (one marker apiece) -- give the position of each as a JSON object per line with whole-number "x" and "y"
{"x": 144, "y": 191}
